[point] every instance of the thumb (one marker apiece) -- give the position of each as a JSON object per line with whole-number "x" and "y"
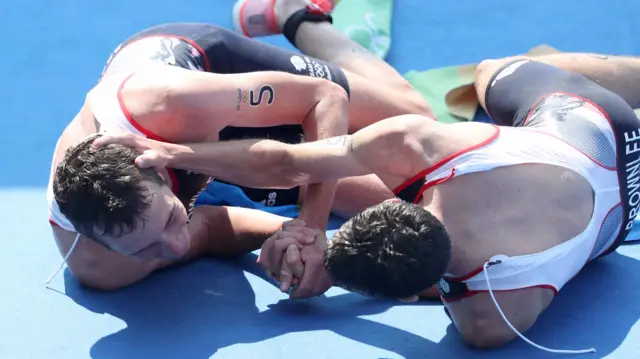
{"x": 286, "y": 277}
{"x": 124, "y": 139}
{"x": 151, "y": 159}
{"x": 294, "y": 262}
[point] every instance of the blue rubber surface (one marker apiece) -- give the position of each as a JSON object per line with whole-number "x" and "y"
{"x": 54, "y": 52}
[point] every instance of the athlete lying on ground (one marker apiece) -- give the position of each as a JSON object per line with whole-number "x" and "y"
{"x": 519, "y": 209}
{"x": 201, "y": 83}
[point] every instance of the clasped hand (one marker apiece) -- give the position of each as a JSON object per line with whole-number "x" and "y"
{"x": 294, "y": 256}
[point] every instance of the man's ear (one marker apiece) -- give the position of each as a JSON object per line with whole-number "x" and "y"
{"x": 410, "y": 299}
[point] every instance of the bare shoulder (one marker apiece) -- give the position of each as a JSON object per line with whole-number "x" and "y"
{"x": 439, "y": 142}
{"x": 431, "y": 133}
{"x": 398, "y": 148}
{"x": 435, "y": 141}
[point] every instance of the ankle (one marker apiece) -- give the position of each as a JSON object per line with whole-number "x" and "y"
{"x": 283, "y": 9}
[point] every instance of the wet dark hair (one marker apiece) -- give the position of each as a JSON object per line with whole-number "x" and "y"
{"x": 392, "y": 250}
{"x": 102, "y": 191}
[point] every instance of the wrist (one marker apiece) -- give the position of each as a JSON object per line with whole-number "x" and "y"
{"x": 313, "y": 220}
{"x": 314, "y": 223}
{"x": 174, "y": 153}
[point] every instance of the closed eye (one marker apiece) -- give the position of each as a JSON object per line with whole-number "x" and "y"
{"x": 171, "y": 218}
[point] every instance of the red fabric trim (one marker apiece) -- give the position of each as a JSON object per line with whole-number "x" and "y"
{"x": 442, "y": 162}
{"x": 606, "y": 116}
{"x": 601, "y": 224}
{"x": 149, "y": 134}
{"x": 474, "y": 292}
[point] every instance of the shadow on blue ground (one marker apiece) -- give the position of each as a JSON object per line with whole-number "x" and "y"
{"x": 55, "y": 53}
{"x": 195, "y": 310}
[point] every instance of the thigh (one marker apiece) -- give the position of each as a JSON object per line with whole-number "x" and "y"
{"x": 372, "y": 101}
{"x": 520, "y": 88}
{"x": 592, "y": 119}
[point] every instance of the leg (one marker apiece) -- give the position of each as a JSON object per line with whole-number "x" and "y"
{"x": 619, "y": 74}
{"x": 321, "y": 40}
{"x": 377, "y": 90}
{"x": 585, "y": 115}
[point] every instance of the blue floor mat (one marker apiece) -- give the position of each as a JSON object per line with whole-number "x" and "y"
{"x": 227, "y": 309}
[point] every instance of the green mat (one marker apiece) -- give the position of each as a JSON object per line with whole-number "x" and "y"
{"x": 367, "y": 22}
{"x": 449, "y": 90}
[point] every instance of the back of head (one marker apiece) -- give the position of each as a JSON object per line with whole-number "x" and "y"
{"x": 101, "y": 191}
{"x": 393, "y": 250}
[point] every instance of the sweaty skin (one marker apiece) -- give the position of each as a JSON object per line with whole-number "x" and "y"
{"x": 192, "y": 106}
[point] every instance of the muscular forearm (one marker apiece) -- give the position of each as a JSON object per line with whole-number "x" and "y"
{"x": 231, "y": 231}
{"x": 328, "y": 119}
{"x": 251, "y": 163}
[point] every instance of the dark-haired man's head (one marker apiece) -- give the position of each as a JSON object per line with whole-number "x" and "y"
{"x": 127, "y": 209}
{"x": 392, "y": 250}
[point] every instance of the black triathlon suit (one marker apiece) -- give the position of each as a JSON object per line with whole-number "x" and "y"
{"x": 526, "y": 93}
{"x": 206, "y": 47}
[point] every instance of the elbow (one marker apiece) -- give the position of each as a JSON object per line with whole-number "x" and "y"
{"x": 484, "y": 334}
{"x": 96, "y": 280}
{"x": 333, "y": 107}
{"x": 335, "y": 92}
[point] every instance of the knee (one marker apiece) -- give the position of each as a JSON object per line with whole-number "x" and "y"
{"x": 484, "y": 67}
{"x": 419, "y": 106}
{"x": 487, "y": 68}
{"x": 485, "y": 71}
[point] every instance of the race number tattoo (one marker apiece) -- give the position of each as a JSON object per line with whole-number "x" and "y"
{"x": 258, "y": 98}
{"x": 263, "y": 95}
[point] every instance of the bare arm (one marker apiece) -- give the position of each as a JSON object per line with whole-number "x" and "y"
{"x": 197, "y": 105}
{"x": 97, "y": 267}
{"x": 220, "y": 231}
{"x": 393, "y": 149}
{"x": 390, "y": 148}
{"x": 193, "y": 106}
{"x": 271, "y": 164}
{"x": 480, "y": 323}
{"x": 231, "y": 231}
